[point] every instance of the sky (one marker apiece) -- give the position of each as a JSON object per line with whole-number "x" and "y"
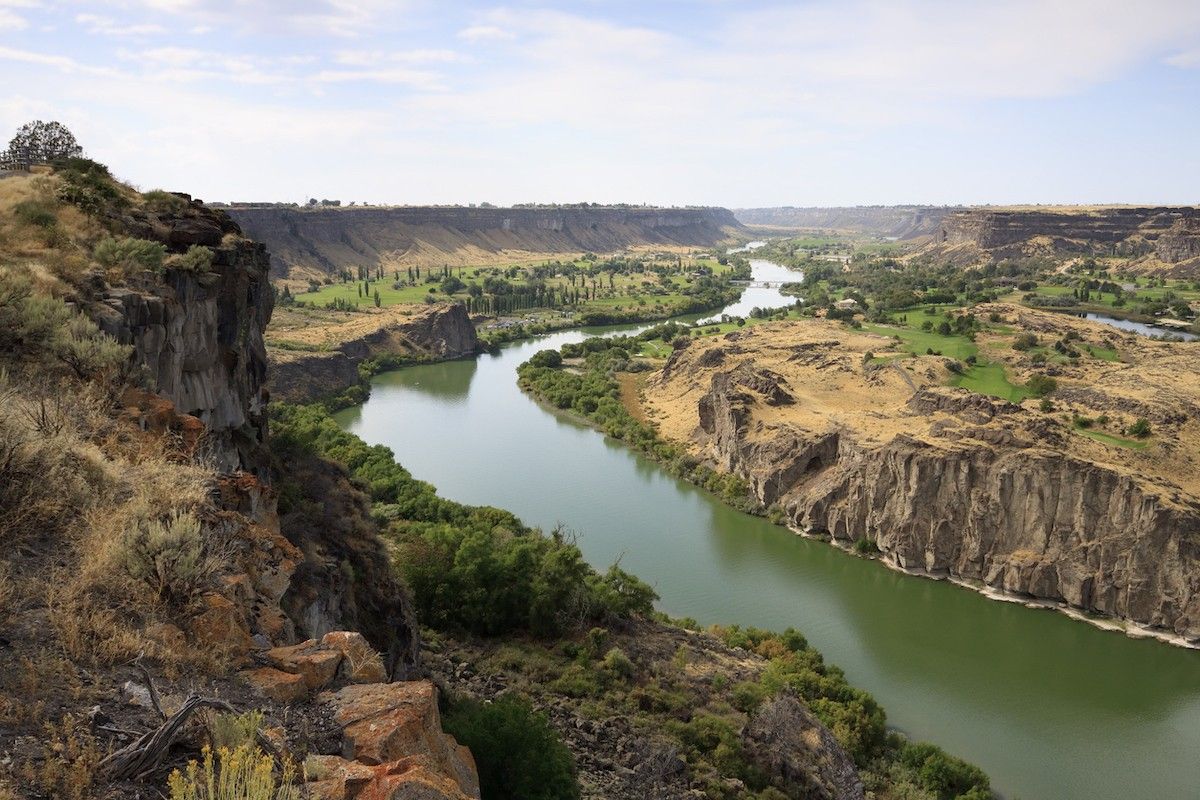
{"x": 736, "y": 103}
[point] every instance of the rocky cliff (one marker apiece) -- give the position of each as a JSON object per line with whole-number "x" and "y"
{"x": 900, "y": 222}
{"x": 199, "y": 335}
{"x": 332, "y": 350}
{"x": 1165, "y": 235}
{"x": 947, "y": 482}
{"x": 318, "y": 242}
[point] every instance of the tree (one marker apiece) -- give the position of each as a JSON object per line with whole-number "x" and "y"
{"x": 40, "y": 142}
{"x": 1140, "y": 428}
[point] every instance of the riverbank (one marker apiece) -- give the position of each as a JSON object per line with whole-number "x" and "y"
{"x": 1044, "y": 727}
{"x": 731, "y": 712}
{"x": 851, "y": 438}
{"x": 1130, "y": 629}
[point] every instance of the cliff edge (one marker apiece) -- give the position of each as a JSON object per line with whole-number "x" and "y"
{"x": 855, "y": 442}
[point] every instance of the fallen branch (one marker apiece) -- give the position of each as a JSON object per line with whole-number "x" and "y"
{"x": 145, "y": 755}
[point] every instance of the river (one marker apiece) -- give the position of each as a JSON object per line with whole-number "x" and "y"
{"x": 1051, "y": 708}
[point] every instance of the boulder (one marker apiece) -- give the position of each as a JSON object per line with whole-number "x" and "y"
{"x": 280, "y": 686}
{"x": 383, "y": 723}
{"x": 316, "y": 665}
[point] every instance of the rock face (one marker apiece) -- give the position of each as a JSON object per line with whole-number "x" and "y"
{"x": 949, "y": 482}
{"x": 1181, "y": 242}
{"x": 392, "y": 743}
{"x": 788, "y": 741}
{"x": 395, "y": 731}
{"x": 199, "y": 336}
{"x": 1167, "y": 235}
{"x": 901, "y": 222}
{"x": 313, "y": 242}
{"x": 435, "y": 332}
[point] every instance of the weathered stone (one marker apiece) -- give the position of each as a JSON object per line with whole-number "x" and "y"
{"x": 386, "y": 722}
{"x": 410, "y": 778}
{"x": 220, "y": 627}
{"x": 280, "y": 686}
{"x": 792, "y": 745}
{"x": 316, "y": 665}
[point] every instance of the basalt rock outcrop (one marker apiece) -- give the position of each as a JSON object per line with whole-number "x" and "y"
{"x": 431, "y": 332}
{"x": 324, "y": 241}
{"x": 899, "y": 222}
{"x": 1159, "y": 237}
{"x": 948, "y": 482}
{"x": 199, "y": 335}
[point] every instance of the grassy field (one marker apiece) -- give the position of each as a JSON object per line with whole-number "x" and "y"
{"x": 1116, "y": 441}
{"x": 990, "y": 379}
{"x": 983, "y": 377}
{"x": 919, "y": 342}
{"x": 624, "y": 291}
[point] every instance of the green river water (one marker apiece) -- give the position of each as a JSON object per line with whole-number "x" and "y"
{"x": 1051, "y": 708}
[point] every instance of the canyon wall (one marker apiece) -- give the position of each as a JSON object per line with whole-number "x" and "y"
{"x": 900, "y": 222}
{"x": 432, "y": 332}
{"x": 318, "y": 242}
{"x": 1170, "y": 235}
{"x": 944, "y": 481}
{"x": 198, "y": 336}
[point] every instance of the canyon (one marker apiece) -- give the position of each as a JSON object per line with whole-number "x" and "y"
{"x": 319, "y": 242}
{"x": 875, "y": 451}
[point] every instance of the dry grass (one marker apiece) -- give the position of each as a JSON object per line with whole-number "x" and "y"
{"x": 57, "y": 252}
{"x": 112, "y": 514}
{"x": 823, "y": 366}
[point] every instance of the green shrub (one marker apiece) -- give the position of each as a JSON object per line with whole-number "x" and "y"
{"x": 617, "y": 664}
{"x": 1041, "y": 385}
{"x": 88, "y": 185}
{"x": 39, "y": 328}
{"x": 944, "y": 775}
{"x": 241, "y": 773}
{"x": 127, "y": 255}
{"x": 747, "y": 696}
{"x": 198, "y": 258}
{"x": 518, "y": 754}
{"x": 165, "y": 202}
{"x": 1140, "y": 428}
{"x": 546, "y": 358}
{"x": 865, "y": 547}
{"x": 173, "y": 557}
{"x": 35, "y": 214}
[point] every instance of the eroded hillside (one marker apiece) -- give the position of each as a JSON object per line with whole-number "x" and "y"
{"x": 316, "y": 243}
{"x": 856, "y": 439}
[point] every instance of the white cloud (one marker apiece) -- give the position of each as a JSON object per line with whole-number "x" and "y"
{"x": 364, "y": 58}
{"x": 1016, "y": 48}
{"x": 410, "y": 77}
{"x": 320, "y": 17}
{"x": 485, "y": 33}
{"x": 1187, "y": 60}
{"x": 106, "y": 26}
{"x": 10, "y": 21}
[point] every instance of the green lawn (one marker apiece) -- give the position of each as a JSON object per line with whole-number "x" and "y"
{"x": 387, "y": 295}
{"x": 990, "y": 379}
{"x": 1102, "y": 353}
{"x": 984, "y": 377}
{"x": 919, "y": 342}
{"x": 1116, "y": 441}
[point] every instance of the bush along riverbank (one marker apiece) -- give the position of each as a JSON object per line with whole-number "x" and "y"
{"x": 566, "y": 683}
{"x": 581, "y": 378}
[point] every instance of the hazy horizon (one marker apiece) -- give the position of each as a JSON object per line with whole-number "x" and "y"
{"x": 682, "y": 102}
